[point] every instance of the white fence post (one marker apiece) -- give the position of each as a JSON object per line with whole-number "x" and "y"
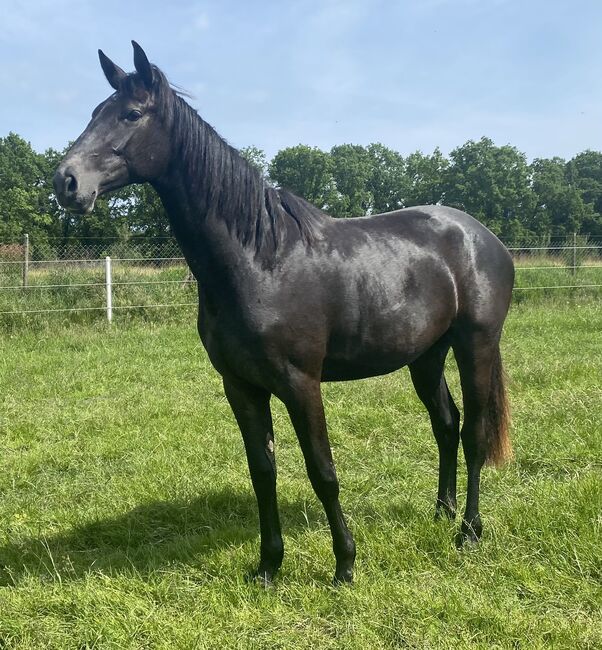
{"x": 25, "y": 260}
{"x": 109, "y": 289}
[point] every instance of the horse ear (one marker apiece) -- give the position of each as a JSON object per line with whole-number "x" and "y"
{"x": 113, "y": 73}
{"x": 142, "y": 65}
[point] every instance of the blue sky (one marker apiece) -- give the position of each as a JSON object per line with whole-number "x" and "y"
{"x": 410, "y": 74}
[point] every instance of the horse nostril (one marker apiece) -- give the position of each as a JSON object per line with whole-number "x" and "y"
{"x": 70, "y": 184}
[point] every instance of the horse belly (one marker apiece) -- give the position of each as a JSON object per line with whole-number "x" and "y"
{"x": 385, "y": 342}
{"x": 339, "y": 369}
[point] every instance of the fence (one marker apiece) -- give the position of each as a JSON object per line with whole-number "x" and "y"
{"x": 97, "y": 278}
{"x": 573, "y": 263}
{"x": 140, "y": 274}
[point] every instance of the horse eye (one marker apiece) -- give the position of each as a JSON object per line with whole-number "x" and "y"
{"x": 133, "y": 116}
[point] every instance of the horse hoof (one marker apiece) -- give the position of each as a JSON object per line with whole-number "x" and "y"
{"x": 262, "y": 577}
{"x": 344, "y": 577}
{"x": 470, "y": 534}
{"x": 466, "y": 542}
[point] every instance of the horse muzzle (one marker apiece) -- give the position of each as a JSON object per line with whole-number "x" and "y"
{"x": 71, "y": 193}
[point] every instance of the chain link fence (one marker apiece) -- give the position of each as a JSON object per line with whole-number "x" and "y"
{"x": 144, "y": 274}
{"x": 92, "y": 278}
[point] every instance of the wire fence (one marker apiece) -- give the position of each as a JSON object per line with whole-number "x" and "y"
{"x": 138, "y": 275}
{"x": 92, "y": 279}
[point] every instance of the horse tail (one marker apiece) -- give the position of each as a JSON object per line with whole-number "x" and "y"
{"x": 497, "y": 416}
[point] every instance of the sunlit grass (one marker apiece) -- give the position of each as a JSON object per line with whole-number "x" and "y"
{"x": 127, "y": 518}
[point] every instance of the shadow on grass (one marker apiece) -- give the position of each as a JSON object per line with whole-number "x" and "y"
{"x": 149, "y": 537}
{"x": 157, "y": 534}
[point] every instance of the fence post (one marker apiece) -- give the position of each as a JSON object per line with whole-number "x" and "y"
{"x": 574, "y": 253}
{"x": 109, "y": 288}
{"x": 25, "y": 260}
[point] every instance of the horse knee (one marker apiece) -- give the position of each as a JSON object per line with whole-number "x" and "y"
{"x": 446, "y": 426}
{"x": 454, "y": 417}
{"x": 447, "y": 436}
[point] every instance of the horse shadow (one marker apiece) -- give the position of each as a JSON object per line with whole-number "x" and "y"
{"x": 149, "y": 537}
{"x": 159, "y": 534}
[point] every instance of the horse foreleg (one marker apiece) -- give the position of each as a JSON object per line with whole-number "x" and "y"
{"x": 251, "y": 407}
{"x": 304, "y": 404}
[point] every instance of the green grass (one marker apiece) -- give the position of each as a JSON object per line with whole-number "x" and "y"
{"x": 127, "y": 518}
{"x": 54, "y": 291}
{"x": 538, "y": 279}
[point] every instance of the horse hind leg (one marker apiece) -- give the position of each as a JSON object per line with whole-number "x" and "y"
{"x": 431, "y": 387}
{"x": 485, "y": 429}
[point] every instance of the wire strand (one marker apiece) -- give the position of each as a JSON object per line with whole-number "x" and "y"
{"x": 48, "y": 311}
{"x": 96, "y": 284}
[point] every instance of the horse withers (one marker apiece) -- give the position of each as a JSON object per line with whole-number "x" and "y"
{"x": 290, "y": 297}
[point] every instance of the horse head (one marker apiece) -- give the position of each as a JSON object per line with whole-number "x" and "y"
{"x": 125, "y": 142}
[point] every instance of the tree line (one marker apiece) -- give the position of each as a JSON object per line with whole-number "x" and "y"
{"x": 517, "y": 200}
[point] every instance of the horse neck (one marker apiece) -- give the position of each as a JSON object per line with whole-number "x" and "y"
{"x": 214, "y": 200}
{"x": 223, "y": 216}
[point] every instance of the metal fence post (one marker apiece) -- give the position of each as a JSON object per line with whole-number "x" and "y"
{"x": 109, "y": 288}
{"x": 25, "y": 260}
{"x": 574, "y": 253}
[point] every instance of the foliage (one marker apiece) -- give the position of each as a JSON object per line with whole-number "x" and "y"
{"x": 255, "y": 157}
{"x": 426, "y": 178}
{"x": 306, "y": 171}
{"x": 387, "y": 180}
{"x": 351, "y": 171}
{"x": 24, "y": 193}
{"x": 146, "y": 216}
{"x": 560, "y": 207}
{"x": 585, "y": 173}
{"x": 492, "y": 184}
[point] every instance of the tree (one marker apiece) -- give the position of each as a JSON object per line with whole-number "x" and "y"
{"x": 24, "y": 192}
{"x": 548, "y": 182}
{"x": 306, "y": 171}
{"x": 425, "y": 178}
{"x": 492, "y": 184}
{"x": 146, "y": 215}
{"x": 256, "y": 157}
{"x": 387, "y": 183}
{"x": 584, "y": 172}
{"x": 560, "y": 208}
{"x": 351, "y": 170}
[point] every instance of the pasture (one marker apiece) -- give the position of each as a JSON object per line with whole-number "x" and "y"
{"x": 127, "y": 518}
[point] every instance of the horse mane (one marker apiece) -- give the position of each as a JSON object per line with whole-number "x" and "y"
{"x": 227, "y": 186}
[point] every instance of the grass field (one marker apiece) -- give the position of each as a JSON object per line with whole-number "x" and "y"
{"x": 127, "y": 518}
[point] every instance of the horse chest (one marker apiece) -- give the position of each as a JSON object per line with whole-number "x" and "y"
{"x": 232, "y": 338}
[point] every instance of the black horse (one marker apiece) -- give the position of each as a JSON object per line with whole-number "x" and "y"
{"x": 290, "y": 297}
